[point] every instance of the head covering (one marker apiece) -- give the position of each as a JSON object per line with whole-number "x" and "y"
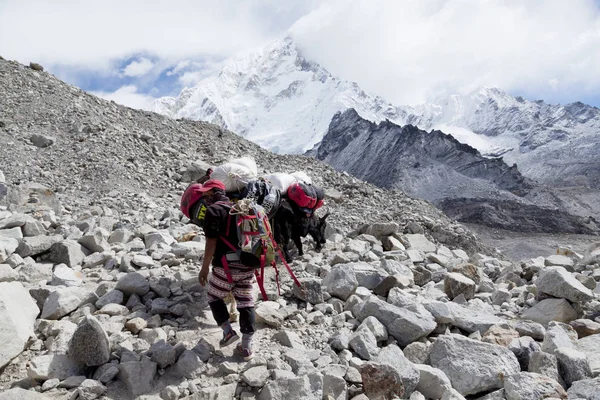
{"x": 211, "y": 184}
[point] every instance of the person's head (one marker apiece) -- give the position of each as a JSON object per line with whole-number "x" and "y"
{"x": 211, "y": 189}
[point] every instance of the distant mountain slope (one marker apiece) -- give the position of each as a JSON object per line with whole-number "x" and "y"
{"x": 438, "y": 168}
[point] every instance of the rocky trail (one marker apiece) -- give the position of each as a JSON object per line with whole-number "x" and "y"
{"x": 99, "y": 295}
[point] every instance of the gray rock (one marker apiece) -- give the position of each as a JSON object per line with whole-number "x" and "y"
{"x": 471, "y": 365}
{"x": 310, "y": 290}
{"x": 106, "y": 373}
{"x": 376, "y": 327}
{"x": 364, "y": 343}
{"x": 133, "y": 282}
{"x": 523, "y": 348}
{"x": 392, "y": 356}
{"x": 550, "y": 310}
{"x": 12, "y": 233}
{"x": 256, "y": 376}
{"x": 531, "y": 386}
{"x": 588, "y": 389}
{"x": 120, "y": 235}
{"x": 298, "y": 388}
{"x": 334, "y": 387}
{"x": 90, "y": 345}
{"x": 7, "y": 274}
{"x": 341, "y": 281}
{"x": 15, "y": 220}
{"x": 558, "y": 282}
{"x": 37, "y": 139}
{"x": 90, "y": 389}
{"x": 112, "y": 297}
{"x": 289, "y": 339}
{"x": 339, "y": 341}
{"x": 163, "y": 354}
{"x": 530, "y": 328}
{"x": 18, "y": 312}
{"x": 558, "y": 335}
{"x": 590, "y": 346}
{"x": 21, "y": 394}
{"x": 64, "y": 301}
{"x": 572, "y": 365}
{"x": 544, "y": 364}
{"x": 475, "y": 317}
{"x": 34, "y": 228}
{"x": 137, "y": 376}
{"x": 67, "y": 252}
{"x": 268, "y": 313}
{"x": 421, "y": 243}
{"x": 96, "y": 240}
{"x": 404, "y": 325}
{"x": 72, "y": 382}
{"x": 65, "y": 276}
{"x": 389, "y": 282}
{"x": 417, "y": 352}
{"x": 189, "y": 365}
{"x": 433, "y": 382}
{"x": 456, "y": 284}
{"x": 52, "y": 366}
{"x": 35, "y": 245}
{"x": 382, "y": 381}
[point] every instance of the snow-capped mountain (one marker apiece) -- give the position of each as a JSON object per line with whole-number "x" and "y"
{"x": 275, "y": 98}
{"x": 554, "y": 144}
{"x": 284, "y": 102}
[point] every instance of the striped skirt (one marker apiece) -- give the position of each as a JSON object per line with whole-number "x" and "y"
{"x": 242, "y": 286}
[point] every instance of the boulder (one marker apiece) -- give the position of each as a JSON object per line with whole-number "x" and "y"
{"x": 67, "y": 252}
{"x": 18, "y": 312}
{"x": 531, "y": 386}
{"x": 64, "y": 301}
{"x": 51, "y": 366}
{"x": 550, "y": 310}
{"x": 456, "y": 284}
{"x": 588, "y": 389}
{"x": 383, "y": 381}
{"x": 558, "y": 282}
{"x": 137, "y": 376}
{"x": 90, "y": 345}
{"x": 472, "y": 366}
{"x": 35, "y": 245}
{"x": 133, "y": 282}
{"x": 341, "y": 281}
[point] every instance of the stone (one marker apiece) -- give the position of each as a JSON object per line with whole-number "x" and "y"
{"x": 90, "y": 345}
{"x": 382, "y": 381}
{"x": 18, "y": 312}
{"x": 389, "y": 282}
{"x": 558, "y": 282}
{"x": 65, "y": 276}
{"x": 135, "y": 325}
{"x": 588, "y": 389}
{"x": 36, "y": 245}
{"x": 90, "y": 389}
{"x": 112, "y": 297}
{"x": 296, "y": 388}
{"x": 267, "y": 313}
{"x": 392, "y": 356}
{"x": 530, "y": 328}
{"x": 67, "y": 252}
{"x": 289, "y": 338}
{"x": 334, "y": 387}
{"x": 256, "y": 376}
{"x": 133, "y": 283}
{"x": 523, "y": 348}
{"x": 572, "y": 365}
{"x": 96, "y": 240}
{"x": 7, "y": 274}
{"x": 137, "y": 376}
{"x": 189, "y": 365}
{"x": 163, "y": 354}
{"x": 421, "y": 243}
{"x": 21, "y": 394}
{"x": 417, "y": 352}
{"x": 590, "y": 346}
{"x": 472, "y": 366}
{"x": 456, "y": 284}
{"x": 106, "y": 373}
{"x": 143, "y": 261}
{"x": 52, "y": 366}
{"x": 41, "y": 141}
{"x": 468, "y": 270}
{"x": 432, "y": 381}
{"x": 364, "y": 343}
{"x": 12, "y": 233}
{"x": 341, "y": 281}
{"x": 532, "y": 386}
{"x": 545, "y": 364}
{"x": 34, "y": 228}
{"x": 310, "y": 290}
{"x": 558, "y": 335}
{"x": 72, "y": 382}
{"x": 585, "y": 327}
{"x": 500, "y": 335}
{"x": 376, "y": 327}
{"x": 559, "y": 260}
{"x": 550, "y": 310}
{"x": 64, "y": 301}
{"x": 404, "y": 325}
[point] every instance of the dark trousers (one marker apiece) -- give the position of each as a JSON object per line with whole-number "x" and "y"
{"x": 221, "y": 315}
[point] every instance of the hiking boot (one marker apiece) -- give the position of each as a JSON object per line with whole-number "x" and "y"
{"x": 246, "y": 354}
{"x": 229, "y": 338}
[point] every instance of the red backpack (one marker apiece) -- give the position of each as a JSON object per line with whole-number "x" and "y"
{"x": 306, "y": 195}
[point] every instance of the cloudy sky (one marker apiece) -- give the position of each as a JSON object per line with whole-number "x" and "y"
{"x": 408, "y": 51}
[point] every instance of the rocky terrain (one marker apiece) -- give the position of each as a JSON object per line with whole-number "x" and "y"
{"x": 98, "y": 278}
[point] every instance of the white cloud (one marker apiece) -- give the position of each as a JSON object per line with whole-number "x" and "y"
{"x": 411, "y": 50}
{"x": 138, "y": 68}
{"x": 128, "y": 96}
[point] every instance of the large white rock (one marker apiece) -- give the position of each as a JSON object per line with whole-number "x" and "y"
{"x": 421, "y": 243}
{"x": 550, "y": 310}
{"x": 590, "y": 346}
{"x": 18, "y": 312}
{"x": 472, "y": 366}
{"x": 433, "y": 382}
{"x": 558, "y": 282}
{"x": 588, "y": 389}
{"x": 531, "y": 386}
{"x": 7, "y": 247}
{"x": 64, "y": 301}
{"x": 341, "y": 281}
